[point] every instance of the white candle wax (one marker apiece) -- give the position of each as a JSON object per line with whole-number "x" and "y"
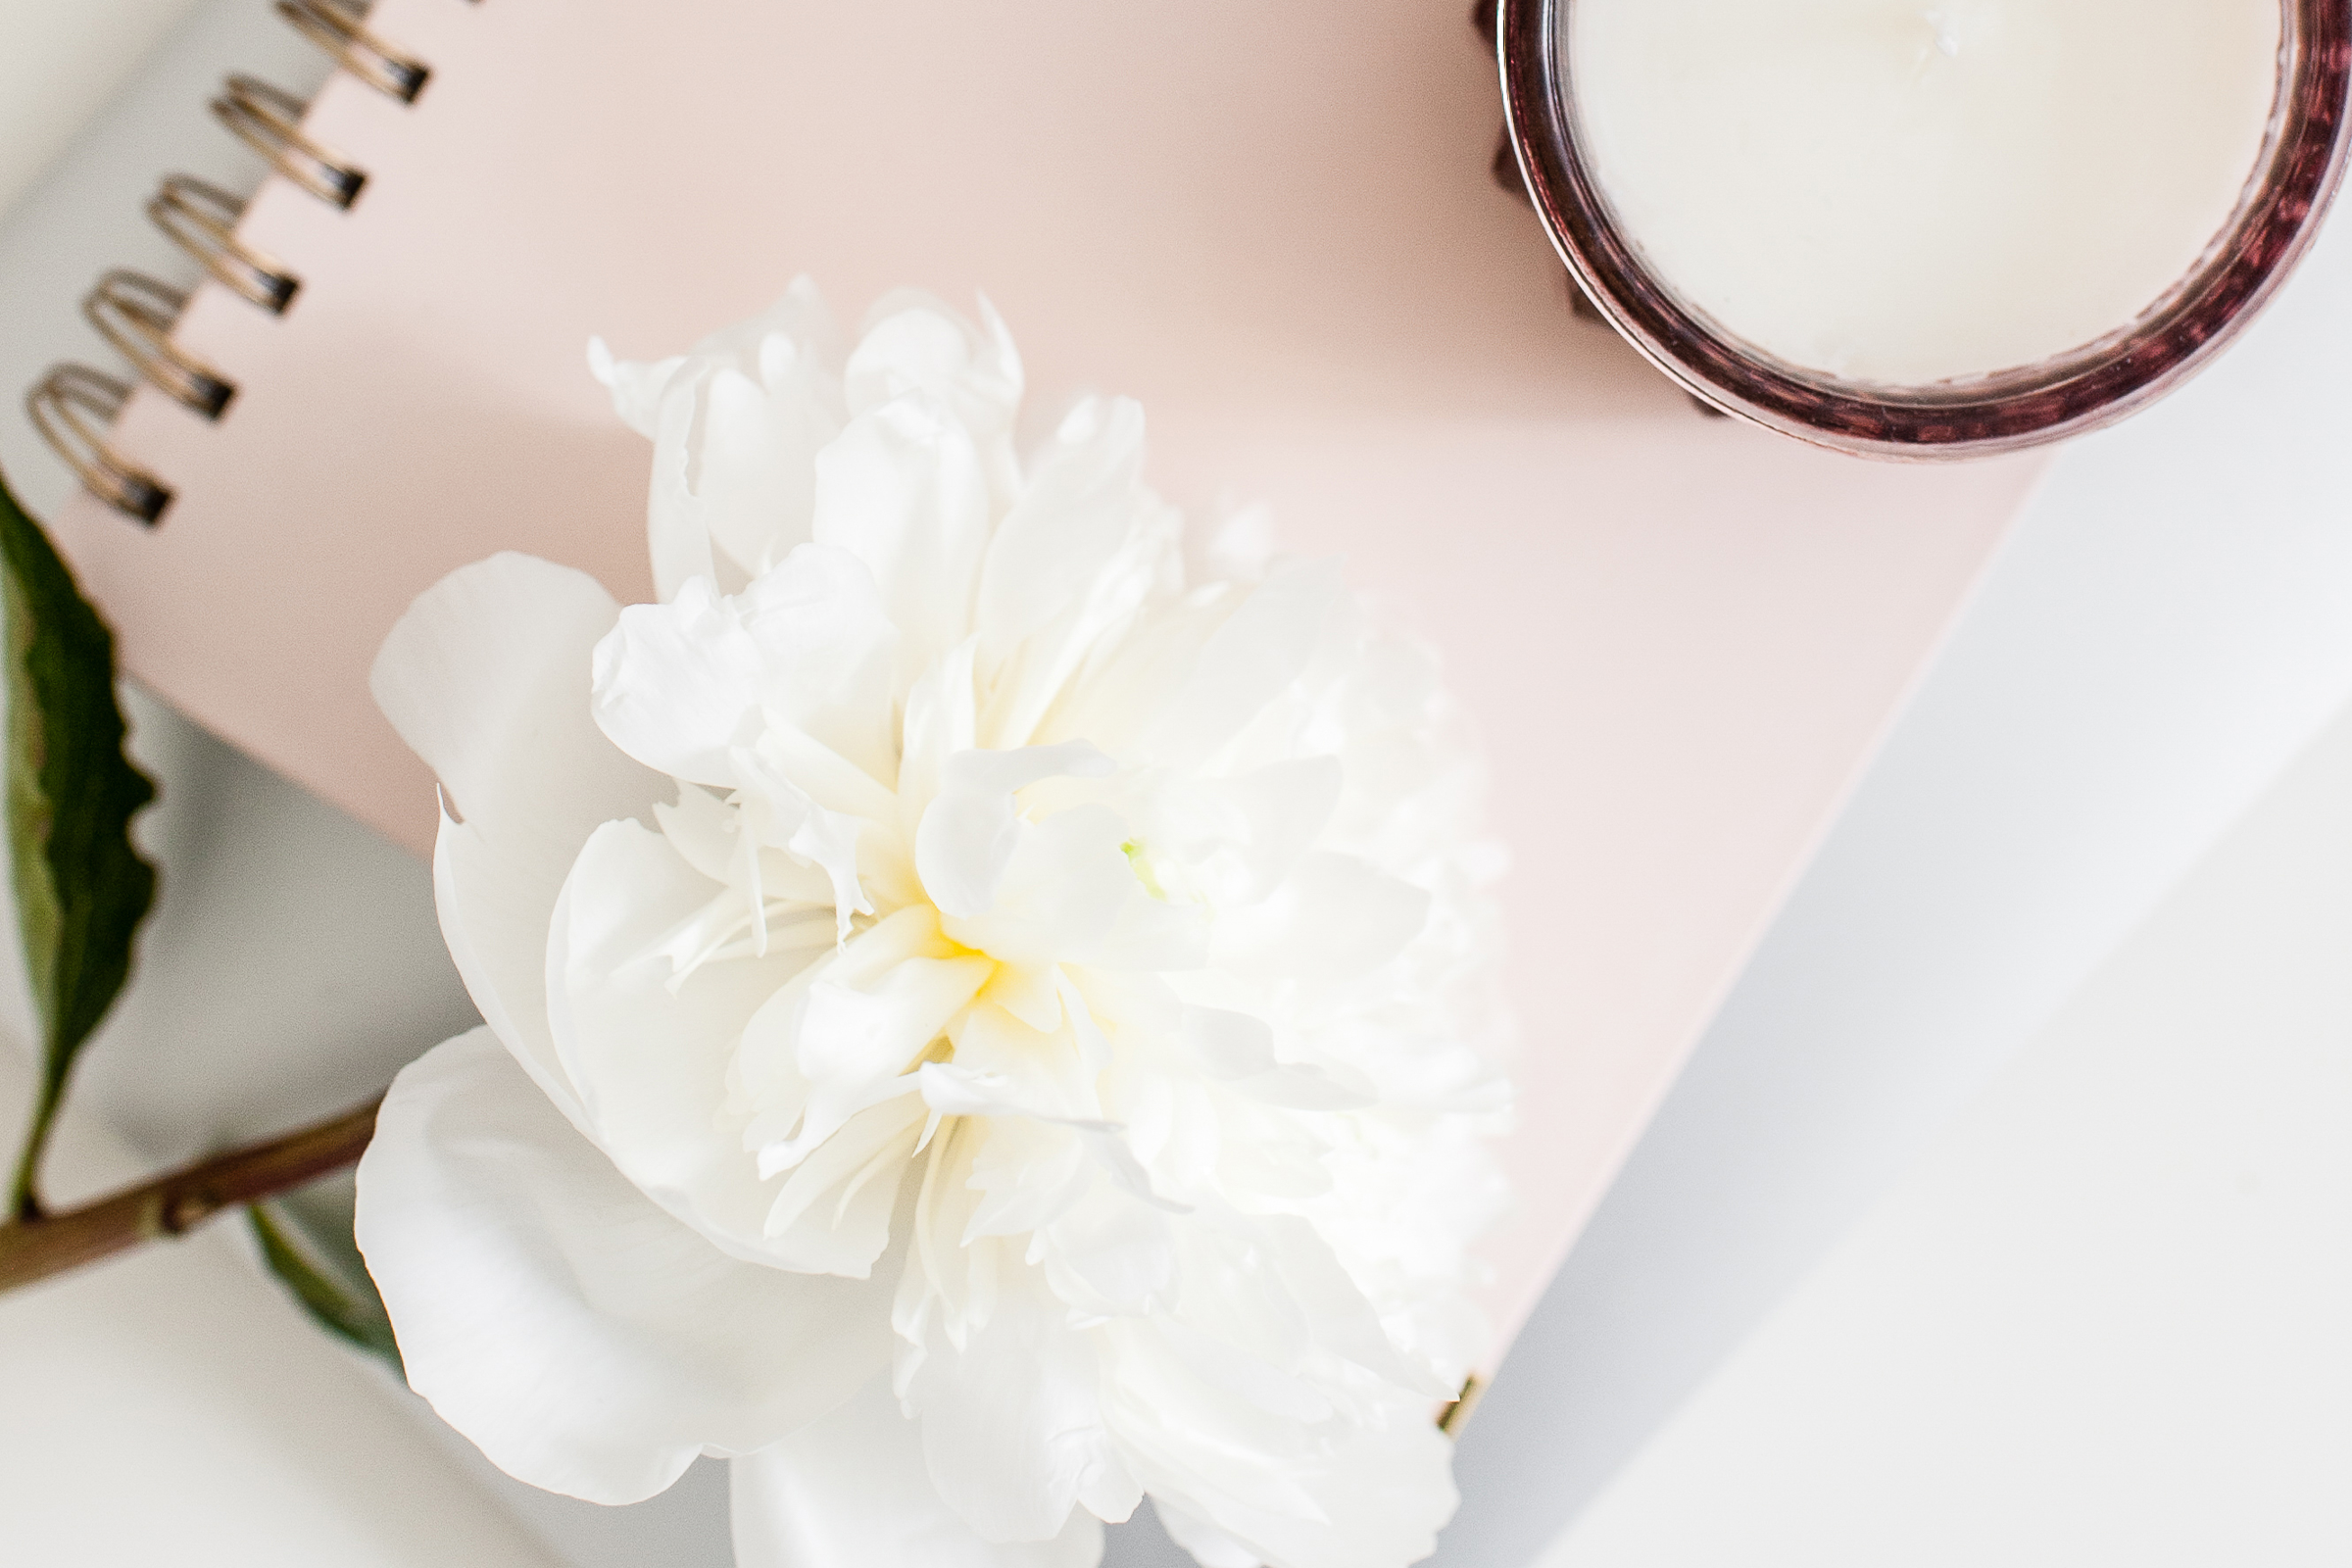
{"x": 1905, "y": 193}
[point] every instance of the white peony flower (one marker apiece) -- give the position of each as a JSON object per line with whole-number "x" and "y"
{"x": 984, "y": 1021}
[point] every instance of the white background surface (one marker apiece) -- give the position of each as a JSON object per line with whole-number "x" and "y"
{"x": 2105, "y": 1319}
{"x": 59, "y": 64}
{"x": 2168, "y": 629}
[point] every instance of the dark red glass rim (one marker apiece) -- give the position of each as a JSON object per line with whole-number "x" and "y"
{"x": 2011, "y": 408}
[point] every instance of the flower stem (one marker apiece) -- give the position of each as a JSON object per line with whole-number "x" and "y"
{"x": 24, "y": 1197}
{"x": 35, "y": 1247}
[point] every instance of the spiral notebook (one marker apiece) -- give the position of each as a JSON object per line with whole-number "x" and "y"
{"x": 1275, "y": 225}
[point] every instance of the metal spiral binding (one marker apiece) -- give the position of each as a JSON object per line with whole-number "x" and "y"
{"x": 201, "y": 218}
{"x": 269, "y": 120}
{"x": 134, "y": 312}
{"x": 337, "y": 28}
{"x": 72, "y": 405}
{"x": 62, "y": 406}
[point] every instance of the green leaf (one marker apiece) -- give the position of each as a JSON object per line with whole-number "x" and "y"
{"x": 81, "y": 888}
{"x": 336, "y": 1292}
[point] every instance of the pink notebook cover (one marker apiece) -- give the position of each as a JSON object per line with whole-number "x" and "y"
{"x": 1274, "y": 225}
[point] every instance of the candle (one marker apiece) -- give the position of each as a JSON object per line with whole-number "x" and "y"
{"x": 1905, "y": 193}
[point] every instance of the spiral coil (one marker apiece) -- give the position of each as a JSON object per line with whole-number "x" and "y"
{"x": 72, "y": 405}
{"x": 337, "y": 29}
{"x": 201, "y": 218}
{"x": 62, "y": 406}
{"x": 135, "y": 312}
{"x": 269, "y": 120}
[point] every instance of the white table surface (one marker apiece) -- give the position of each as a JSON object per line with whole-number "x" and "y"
{"x": 2165, "y": 631}
{"x": 61, "y": 66}
{"x": 2101, "y": 1321}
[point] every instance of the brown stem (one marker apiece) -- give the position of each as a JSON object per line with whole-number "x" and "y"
{"x": 177, "y": 1203}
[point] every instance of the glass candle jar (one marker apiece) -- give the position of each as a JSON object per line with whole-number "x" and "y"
{"x": 1707, "y": 168}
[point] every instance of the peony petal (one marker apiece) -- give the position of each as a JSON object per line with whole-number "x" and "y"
{"x": 1336, "y": 917}
{"x": 1030, "y": 993}
{"x": 678, "y": 686}
{"x": 486, "y": 677}
{"x": 1111, "y": 1255}
{"x": 915, "y": 343}
{"x": 1210, "y": 1547}
{"x": 973, "y": 830}
{"x": 1002, "y": 1063}
{"x": 1130, "y": 680}
{"x": 902, "y": 490}
{"x": 1285, "y": 807}
{"x": 779, "y": 814}
{"x": 1026, "y": 1172}
{"x": 736, "y": 426}
{"x": 636, "y": 386}
{"x": 587, "y": 1343}
{"x": 1381, "y": 1495}
{"x": 1073, "y": 515}
{"x": 1265, "y": 646}
{"x": 853, "y": 1033}
{"x": 1228, "y": 1044}
{"x": 1068, "y": 891}
{"x": 853, "y": 1042}
{"x": 494, "y": 909}
{"x": 1369, "y": 1492}
{"x": 1152, "y": 934}
{"x": 838, "y": 1202}
{"x": 1344, "y": 1319}
{"x": 769, "y": 1065}
{"x": 849, "y": 1490}
{"x": 1305, "y": 1086}
{"x": 830, "y": 653}
{"x": 652, "y": 1063}
{"x": 677, "y": 535}
{"x": 942, "y": 711}
{"x": 1012, "y": 1424}
{"x": 757, "y": 445}
{"x": 1051, "y": 664}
